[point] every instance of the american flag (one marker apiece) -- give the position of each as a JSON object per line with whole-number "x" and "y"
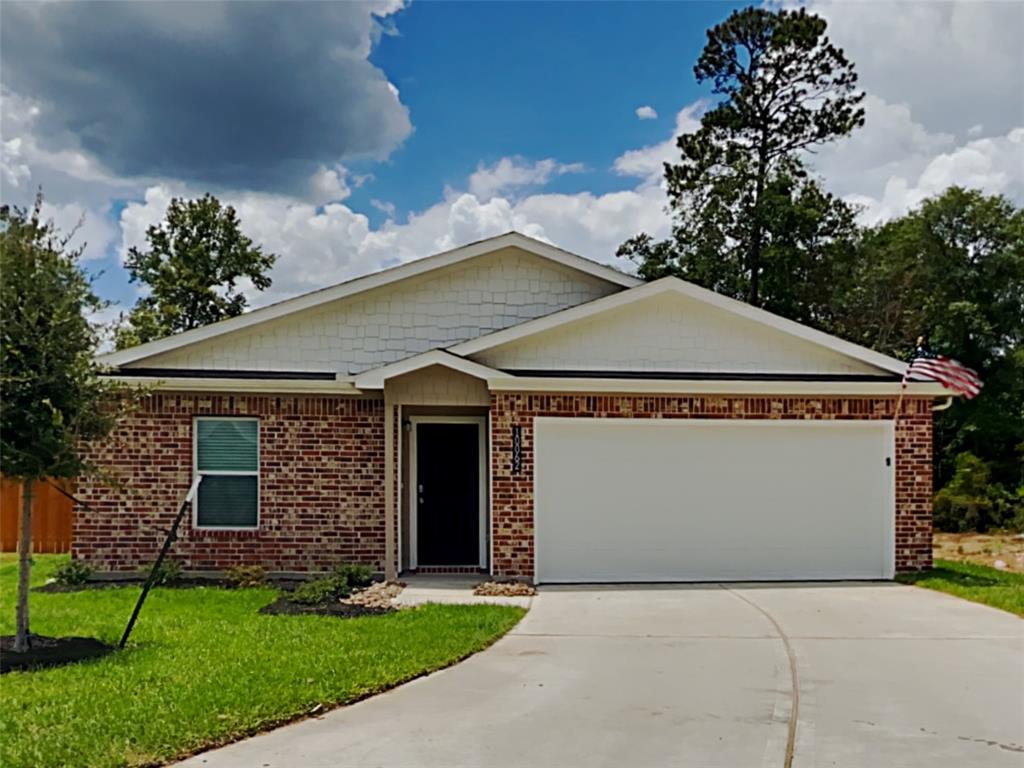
{"x": 951, "y": 373}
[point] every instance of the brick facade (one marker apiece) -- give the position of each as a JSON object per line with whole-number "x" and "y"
{"x": 321, "y": 485}
{"x": 512, "y": 494}
{"x": 322, "y": 475}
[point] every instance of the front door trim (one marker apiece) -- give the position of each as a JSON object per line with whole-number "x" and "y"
{"x": 415, "y": 421}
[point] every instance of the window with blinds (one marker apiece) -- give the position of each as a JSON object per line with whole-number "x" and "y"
{"x": 227, "y": 457}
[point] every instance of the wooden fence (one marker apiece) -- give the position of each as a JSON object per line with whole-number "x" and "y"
{"x": 51, "y": 517}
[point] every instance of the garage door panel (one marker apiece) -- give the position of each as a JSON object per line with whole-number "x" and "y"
{"x": 641, "y": 500}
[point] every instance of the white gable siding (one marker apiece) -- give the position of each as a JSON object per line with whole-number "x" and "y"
{"x": 437, "y": 385}
{"x": 382, "y": 326}
{"x": 669, "y": 332}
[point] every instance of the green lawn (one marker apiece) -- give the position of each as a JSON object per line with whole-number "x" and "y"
{"x": 204, "y": 668}
{"x": 979, "y": 583}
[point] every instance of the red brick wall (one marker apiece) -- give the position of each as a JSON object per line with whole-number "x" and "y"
{"x": 512, "y": 495}
{"x": 321, "y": 485}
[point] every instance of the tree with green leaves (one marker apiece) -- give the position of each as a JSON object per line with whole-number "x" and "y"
{"x": 193, "y": 265}
{"x": 745, "y": 211}
{"x": 952, "y": 271}
{"x": 52, "y": 398}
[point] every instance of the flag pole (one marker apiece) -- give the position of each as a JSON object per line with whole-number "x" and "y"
{"x": 903, "y": 385}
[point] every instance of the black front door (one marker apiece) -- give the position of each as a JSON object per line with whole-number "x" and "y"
{"x": 447, "y": 489}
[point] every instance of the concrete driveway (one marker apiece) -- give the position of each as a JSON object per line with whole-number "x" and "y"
{"x": 876, "y": 674}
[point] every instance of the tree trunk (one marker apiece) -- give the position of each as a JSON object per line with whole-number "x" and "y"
{"x": 24, "y": 565}
{"x": 757, "y": 231}
{"x": 756, "y": 236}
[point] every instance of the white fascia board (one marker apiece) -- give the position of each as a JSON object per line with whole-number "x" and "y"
{"x": 721, "y": 387}
{"x": 375, "y": 378}
{"x": 674, "y": 284}
{"x": 367, "y": 283}
{"x": 254, "y": 386}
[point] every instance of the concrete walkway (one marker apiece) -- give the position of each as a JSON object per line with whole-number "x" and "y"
{"x": 451, "y": 589}
{"x": 704, "y": 676}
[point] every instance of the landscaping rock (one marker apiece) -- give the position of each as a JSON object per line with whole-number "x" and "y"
{"x": 50, "y": 651}
{"x": 504, "y": 589}
{"x": 378, "y": 595}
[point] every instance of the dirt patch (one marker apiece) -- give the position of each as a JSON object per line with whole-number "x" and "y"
{"x": 504, "y": 589}
{"x": 991, "y": 549}
{"x": 49, "y": 652}
{"x": 285, "y": 607}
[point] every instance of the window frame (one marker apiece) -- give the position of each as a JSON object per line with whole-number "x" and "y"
{"x": 196, "y": 472}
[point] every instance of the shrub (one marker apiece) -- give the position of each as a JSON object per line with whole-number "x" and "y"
{"x": 357, "y": 576}
{"x": 321, "y": 590}
{"x": 970, "y": 502}
{"x": 247, "y": 575}
{"x": 73, "y": 573}
{"x": 170, "y": 572}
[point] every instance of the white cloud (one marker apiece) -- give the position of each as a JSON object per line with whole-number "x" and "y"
{"x": 648, "y": 162}
{"x": 385, "y": 207}
{"x": 646, "y": 112}
{"x": 330, "y": 184}
{"x": 12, "y": 167}
{"x": 953, "y": 64}
{"x": 89, "y": 230}
{"x": 509, "y": 173}
{"x": 994, "y": 165}
{"x": 944, "y": 89}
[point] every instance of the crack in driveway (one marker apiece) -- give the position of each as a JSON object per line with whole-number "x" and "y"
{"x": 794, "y": 712}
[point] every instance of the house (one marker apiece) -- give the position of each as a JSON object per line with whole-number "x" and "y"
{"x": 511, "y": 408}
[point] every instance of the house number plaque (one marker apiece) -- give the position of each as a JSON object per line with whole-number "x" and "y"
{"x": 517, "y": 450}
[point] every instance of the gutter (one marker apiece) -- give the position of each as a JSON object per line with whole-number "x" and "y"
{"x": 255, "y": 382}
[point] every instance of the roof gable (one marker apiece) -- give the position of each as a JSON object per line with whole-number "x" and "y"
{"x": 672, "y": 326}
{"x": 590, "y": 280}
{"x": 395, "y": 321}
{"x": 376, "y": 320}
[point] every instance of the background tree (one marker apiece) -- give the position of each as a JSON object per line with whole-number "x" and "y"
{"x": 953, "y": 271}
{"x": 51, "y": 398}
{"x": 193, "y": 265}
{"x": 744, "y": 210}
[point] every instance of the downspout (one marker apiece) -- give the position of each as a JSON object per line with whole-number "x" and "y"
{"x": 944, "y": 406}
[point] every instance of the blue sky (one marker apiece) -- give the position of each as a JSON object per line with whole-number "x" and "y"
{"x": 353, "y": 136}
{"x": 535, "y": 80}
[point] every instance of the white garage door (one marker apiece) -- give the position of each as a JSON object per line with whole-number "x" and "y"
{"x": 698, "y": 500}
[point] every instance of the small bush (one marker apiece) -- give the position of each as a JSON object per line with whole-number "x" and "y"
{"x": 170, "y": 572}
{"x": 971, "y": 502}
{"x": 247, "y": 575}
{"x": 357, "y": 576}
{"x": 73, "y": 573}
{"x": 321, "y": 590}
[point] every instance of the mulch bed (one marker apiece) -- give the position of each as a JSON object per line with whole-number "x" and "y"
{"x": 285, "y": 607}
{"x": 50, "y": 651}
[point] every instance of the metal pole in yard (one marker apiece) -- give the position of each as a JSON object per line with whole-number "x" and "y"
{"x": 155, "y": 570}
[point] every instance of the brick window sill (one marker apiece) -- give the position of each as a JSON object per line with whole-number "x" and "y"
{"x": 212, "y": 533}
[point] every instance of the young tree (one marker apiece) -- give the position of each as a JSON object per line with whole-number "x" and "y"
{"x": 785, "y": 89}
{"x": 51, "y": 397}
{"x": 195, "y": 260}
